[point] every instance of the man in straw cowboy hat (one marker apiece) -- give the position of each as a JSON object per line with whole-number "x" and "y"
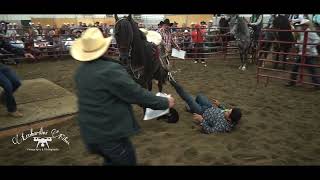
{"x": 311, "y": 52}
{"x": 105, "y": 93}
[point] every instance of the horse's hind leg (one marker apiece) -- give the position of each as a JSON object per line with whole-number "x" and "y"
{"x": 285, "y": 59}
{"x": 275, "y": 66}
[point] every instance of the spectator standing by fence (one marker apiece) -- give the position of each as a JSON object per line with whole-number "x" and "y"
{"x": 197, "y": 39}
{"x": 311, "y": 51}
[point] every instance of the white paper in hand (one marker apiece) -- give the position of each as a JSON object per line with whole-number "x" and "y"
{"x": 151, "y": 114}
{"x": 179, "y": 54}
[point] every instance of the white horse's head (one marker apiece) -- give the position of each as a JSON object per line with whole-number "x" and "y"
{"x": 233, "y": 23}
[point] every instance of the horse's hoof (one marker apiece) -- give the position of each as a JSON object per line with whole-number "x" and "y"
{"x": 243, "y": 68}
{"x": 240, "y": 67}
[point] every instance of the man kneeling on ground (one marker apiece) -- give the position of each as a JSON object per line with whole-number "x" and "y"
{"x": 211, "y": 117}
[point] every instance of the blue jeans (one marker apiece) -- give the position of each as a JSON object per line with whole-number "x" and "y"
{"x": 115, "y": 153}
{"x": 10, "y": 82}
{"x": 309, "y": 60}
{"x": 197, "y": 105}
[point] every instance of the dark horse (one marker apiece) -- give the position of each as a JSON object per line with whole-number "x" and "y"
{"x": 283, "y": 23}
{"x": 266, "y": 45}
{"x": 142, "y": 59}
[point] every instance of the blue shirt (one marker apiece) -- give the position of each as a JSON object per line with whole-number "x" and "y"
{"x": 214, "y": 121}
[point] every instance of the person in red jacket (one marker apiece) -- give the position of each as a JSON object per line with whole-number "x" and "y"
{"x": 198, "y": 38}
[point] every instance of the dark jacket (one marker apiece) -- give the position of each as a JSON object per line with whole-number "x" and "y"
{"x": 105, "y": 94}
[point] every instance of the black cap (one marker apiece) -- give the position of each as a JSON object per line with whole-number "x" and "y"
{"x": 171, "y": 117}
{"x": 167, "y": 21}
{"x": 161, "y": 23}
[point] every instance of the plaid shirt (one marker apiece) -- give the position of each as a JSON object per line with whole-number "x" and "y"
{"x": 167, "y": 39}
{"x": 214, "y": 121}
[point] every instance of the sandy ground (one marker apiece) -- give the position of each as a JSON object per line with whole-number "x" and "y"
{"x": 280, "y": 125}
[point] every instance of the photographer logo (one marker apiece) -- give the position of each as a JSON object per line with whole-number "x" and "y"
{"x": 41, "y": 139}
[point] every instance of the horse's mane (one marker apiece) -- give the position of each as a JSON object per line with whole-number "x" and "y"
{"x": 242, "y": 26}
{"x": 138, "y": 45}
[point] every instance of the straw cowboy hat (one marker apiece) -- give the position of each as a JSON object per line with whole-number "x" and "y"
{"x": 90, "y": 46}
{"x": 192, "y": 23}
{"x": 152, "y": 36}
{"x": 303, "y": 22}
{"x": 143, "y": 30}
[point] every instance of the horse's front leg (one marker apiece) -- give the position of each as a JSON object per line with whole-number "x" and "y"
{"x": 147, "y": 85}
{"x": 160, "y": 86}
{"x": 245, "y": 60}
{"x": 241, "y": 59}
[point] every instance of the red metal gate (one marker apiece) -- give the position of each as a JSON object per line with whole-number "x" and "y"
{"x": 271, "y": 73}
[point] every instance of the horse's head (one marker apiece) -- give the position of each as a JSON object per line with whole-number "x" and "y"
{"x": 123, "y": 33}
{"x": 238, "y": 27}
{"x": 233, "y": 23}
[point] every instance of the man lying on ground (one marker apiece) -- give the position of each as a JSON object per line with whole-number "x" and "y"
{"x": 211, "y": 117}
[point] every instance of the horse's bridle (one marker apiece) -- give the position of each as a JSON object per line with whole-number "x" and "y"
{"x": 129, "y": 53}
{"x": 130, "y": 43}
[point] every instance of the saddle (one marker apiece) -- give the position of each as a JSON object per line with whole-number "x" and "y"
{"x": 160, "y": 56}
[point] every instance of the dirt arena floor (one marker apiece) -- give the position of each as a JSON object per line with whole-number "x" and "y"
{"x": 280, "y": 125}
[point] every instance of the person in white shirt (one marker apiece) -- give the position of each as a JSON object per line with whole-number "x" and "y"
{"x": 311, "y": 52}
{"x": 11, "y": 31}
{"x": 15, "y": 42}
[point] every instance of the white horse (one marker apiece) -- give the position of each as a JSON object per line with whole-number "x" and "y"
{"x": 239, "y": 29}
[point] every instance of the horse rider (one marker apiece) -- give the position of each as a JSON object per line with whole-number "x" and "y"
{"x": 256, "y": 22}
{"x": 167, "y": 38}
